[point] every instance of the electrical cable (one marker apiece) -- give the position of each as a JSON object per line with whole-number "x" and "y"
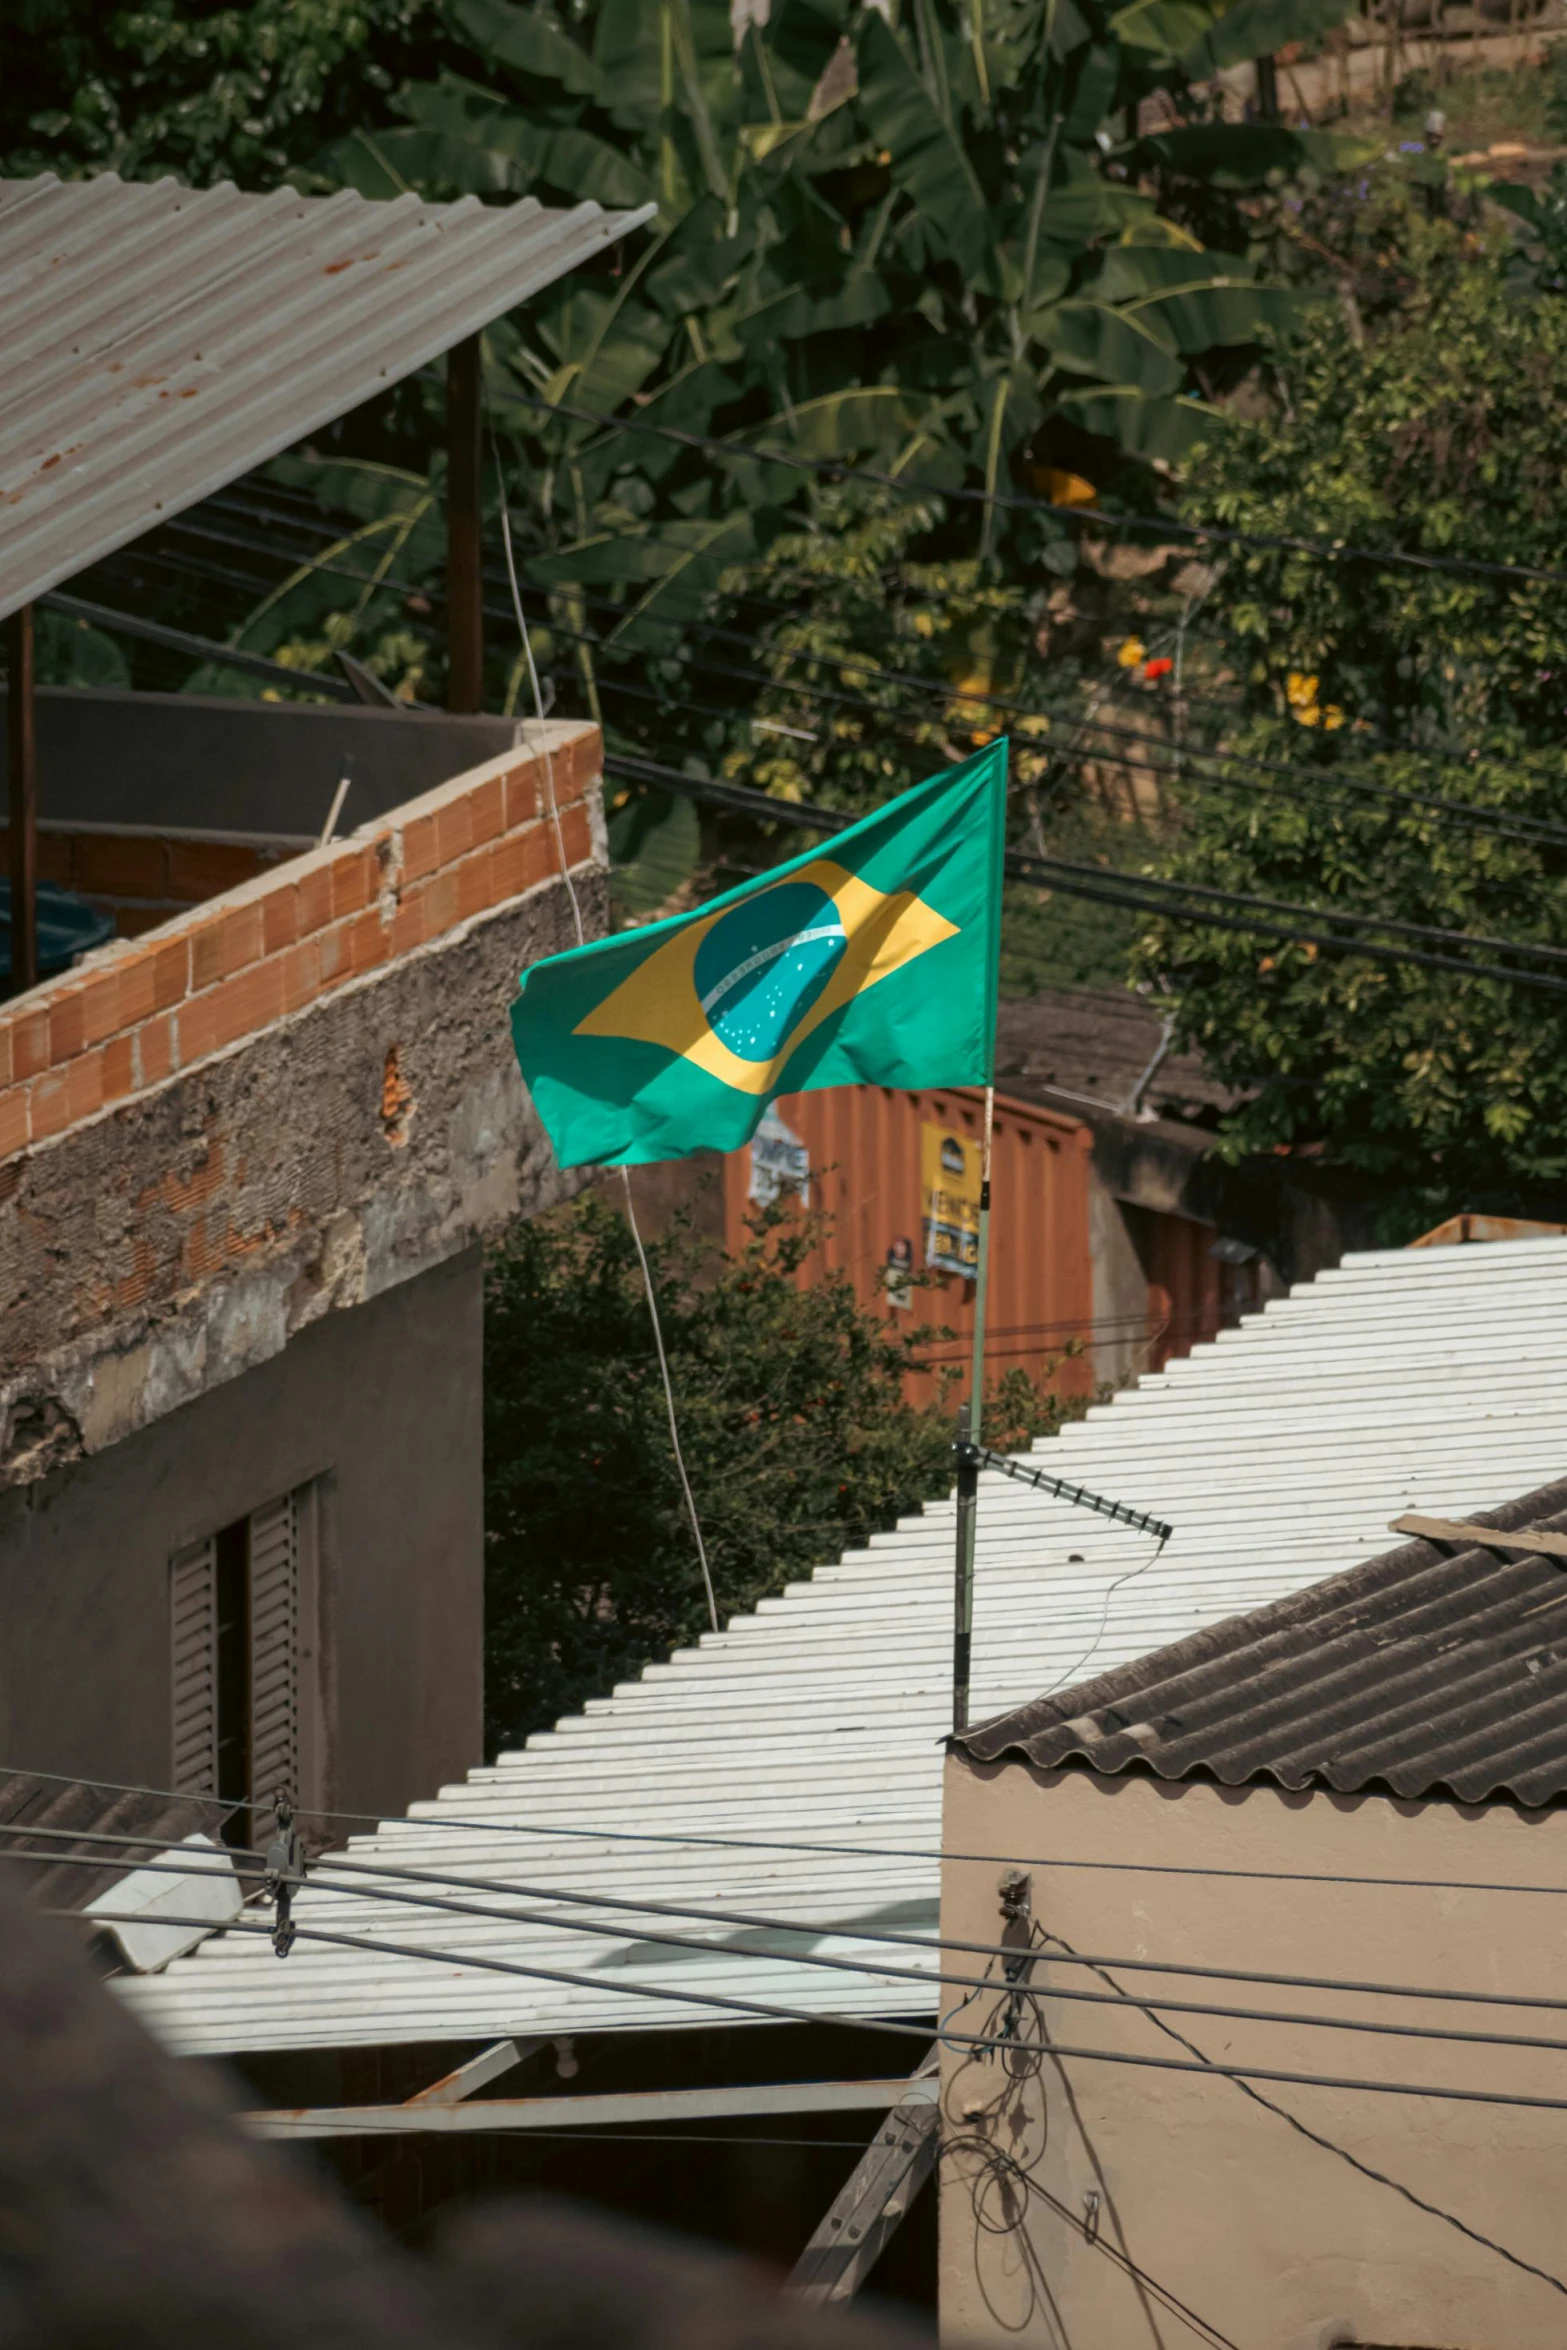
{"x": 631, "y": 1212}
{"x": 1380, "y": 2178}
{"x": 320, "y": 1873}
{"x": 378, "y": 1946}
{"x": 1144, "y": 894}
{"x": 1498, "y": 822}
{"x": 698, "y": 1841}
{"x": 1074, "y": 517}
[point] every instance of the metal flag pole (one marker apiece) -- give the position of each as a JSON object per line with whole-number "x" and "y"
{"x": 970, "y": 1438}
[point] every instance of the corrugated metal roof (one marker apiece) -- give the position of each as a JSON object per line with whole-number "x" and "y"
{"x": 1436, "y": 1666}
{"x": 162, "y": 340}
{"x": 54, "y": 1812}
{"x": 1434, "y": 1379}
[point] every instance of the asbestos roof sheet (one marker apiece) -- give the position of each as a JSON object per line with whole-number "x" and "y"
{"x": 1439, "y": 1667}
{"x": 1431, "y": 1379}
{"x": 160, "y": 341}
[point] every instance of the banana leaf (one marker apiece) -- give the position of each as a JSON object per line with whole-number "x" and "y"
{"x": 1256, "y": 28}
{"x": 1165, "y": 430}
{"x": 1123, "y": 348}
{"x": 928, "y": 158}
{"x": 528, "y": 41}
{"x": 1161, "y": 30}
{"x": 654, "y": 843}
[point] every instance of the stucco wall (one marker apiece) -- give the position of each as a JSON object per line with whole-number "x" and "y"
{"x": 1274, "y": 2242}
{"x": 384, "y": 1400}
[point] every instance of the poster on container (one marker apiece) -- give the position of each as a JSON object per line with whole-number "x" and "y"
{"x": 949, "y": 1201}
{"x": 780, "y": 1161}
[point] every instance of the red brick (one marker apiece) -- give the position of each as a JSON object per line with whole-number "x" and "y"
{"x": 487, "y": 810}
{"x": 419, "y": 848}
{"x": 356, "y": 877}
{"x": 67, "y": 1023}
{"x": 119, "y": 1068}
{"x": 5, "y": 1055}
{"x": 65, "y": 1096}
{"x": 119, "y": 868}
{"x": 475, "y": 884}
{"x": 101, "y": 1014}
{"x": 170, "y": 972}
{"x": 301, "y": 974}
{"x": 242, "y": 1005}
{"x": 228, "y": 942}
{"x": 332, "y": 946}
{"x": 524, "y": 793}
{"x": 202, "y": 869}
{"x": 407, "y": 928}
{"x": 280, "y": 917}
{"x": 15, "y": 1128}
{"x": 440, "y": 903}
{"x": 511, "y": 864}
{"x": 315, "y": 899}
{"x": 29, "y": 1043}
{"x": 366, "y": 940}
{"x": 453, "y": 830}
{"x": 157, "y": 1050}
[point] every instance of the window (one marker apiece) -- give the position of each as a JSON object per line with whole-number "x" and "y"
{"x": 243, "y": 1611}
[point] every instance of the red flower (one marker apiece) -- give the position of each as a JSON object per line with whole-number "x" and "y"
{"x": 1160, "y": 668}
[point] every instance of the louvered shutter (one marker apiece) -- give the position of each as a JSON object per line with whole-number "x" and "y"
{"x": 274, "y": 1655}
{"x": 193, "y": 1616}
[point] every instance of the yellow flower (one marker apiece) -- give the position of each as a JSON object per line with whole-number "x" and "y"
{"x": 1300, "y": 689}
{"x": 1034, "y": 723}
{"x": 924, "y": 625}
{"x": 1132, "y": 653}
{"x": 1332, "y": 716}
{"x": 1310, "y": 716}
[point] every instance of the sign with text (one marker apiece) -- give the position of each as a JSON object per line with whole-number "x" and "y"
{"x": 780, "y": 1162}
{"x": 949, "y": 1200}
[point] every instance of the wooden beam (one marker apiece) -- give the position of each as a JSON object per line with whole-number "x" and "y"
{"x": 464, "y": 571}
{"x": 874, "y": 2199}
{"x": 1478, "y": 1537}
{"x": 22, "y": 809}
{"x": 638, "y": 2108}
{"x": 487, "y": 2066}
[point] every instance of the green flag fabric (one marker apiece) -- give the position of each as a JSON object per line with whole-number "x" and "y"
{"x": 872, "y": 961}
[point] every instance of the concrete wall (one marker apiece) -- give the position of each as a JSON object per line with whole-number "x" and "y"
{"x": 382, "y": 1401}
{"x": 1127, "y": 2194}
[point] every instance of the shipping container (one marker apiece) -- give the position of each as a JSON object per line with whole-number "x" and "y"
{"x": 898, "y": 1175}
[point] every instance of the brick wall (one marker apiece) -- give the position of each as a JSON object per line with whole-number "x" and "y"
{"x": 145, "y": 1009}
{"x": 140, "y": 877}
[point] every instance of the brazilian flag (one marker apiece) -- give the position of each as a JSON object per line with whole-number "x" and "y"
{"x": 873, "y": 962}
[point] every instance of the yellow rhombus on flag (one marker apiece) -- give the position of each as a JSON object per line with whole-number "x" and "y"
{"x": 871, "y": 962}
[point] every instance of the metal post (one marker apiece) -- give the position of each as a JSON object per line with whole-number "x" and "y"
{"x": 464, "y": 574}
{"x": 22, "y": 814}
{"x": 970, "y": 1435}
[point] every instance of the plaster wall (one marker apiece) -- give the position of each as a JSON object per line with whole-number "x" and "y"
{"x": 1106, "y": 2206}
{"x": 381, "y": 1402}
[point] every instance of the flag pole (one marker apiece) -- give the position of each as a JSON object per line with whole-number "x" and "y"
{"x": 970, "y": 1436}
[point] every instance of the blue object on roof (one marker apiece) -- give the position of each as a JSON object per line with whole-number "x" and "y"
{"x": 67, "y": 927}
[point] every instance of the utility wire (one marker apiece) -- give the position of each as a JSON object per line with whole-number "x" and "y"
{"x": 698, "y": 1840}
{"x": 1379, "y": 2178}
{"x": 320, "y": 1876}
{"x": 1075, "y": 517}
{"x": 631, "y": 1211}
{"x": 380, "y": 1947}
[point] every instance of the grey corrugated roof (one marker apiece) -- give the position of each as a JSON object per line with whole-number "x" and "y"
{"x": 162, "y": 340}
{"x": 42, "y": 1817}
{"x": 1434, "y": 1667}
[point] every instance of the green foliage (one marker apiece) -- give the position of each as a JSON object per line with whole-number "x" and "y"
{"x": 245, "y": 93}
{"x": 793, "y": 1422}
{"x": 1441, "y": 430}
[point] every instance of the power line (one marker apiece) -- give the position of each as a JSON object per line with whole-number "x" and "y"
{"x": 1076, "y": 517}
{"x": 700, "y": 1841}
{"x": 1330, "y": 2146}
{"x": 1108, "y": 885}
{"x": 378, "y": 1946}
{"x": 320, "y": 1873}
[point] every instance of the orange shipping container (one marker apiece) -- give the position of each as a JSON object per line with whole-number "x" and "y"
{"x": 869, "y": 1152}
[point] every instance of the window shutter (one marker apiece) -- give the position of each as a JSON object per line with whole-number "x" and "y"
{"x": 193, "y": 1615}
{"x": 274, "y": 1656}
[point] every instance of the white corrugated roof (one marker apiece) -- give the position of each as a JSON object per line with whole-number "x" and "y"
{"x": 162, "y": 340}
{"x": 1435, "y": 1378}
